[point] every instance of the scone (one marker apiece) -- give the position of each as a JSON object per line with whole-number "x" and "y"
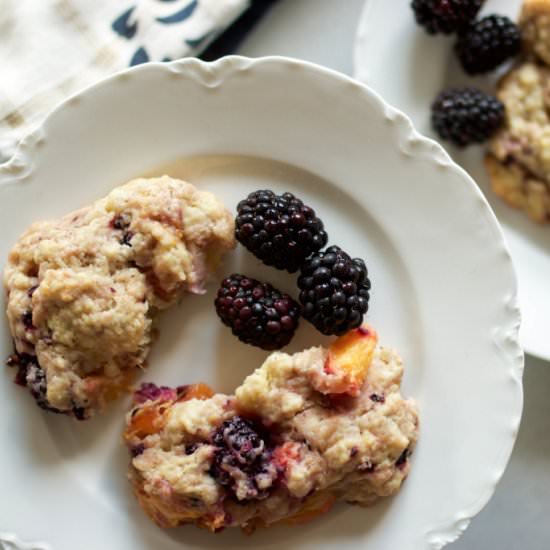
{"x": 302, "y": 432}
{"x": 534, "y": 23}
{"x": 82, "y": 292}
{"x": 518, "y": 161}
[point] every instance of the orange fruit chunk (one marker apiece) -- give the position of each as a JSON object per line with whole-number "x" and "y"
{"x": 144, "y": 423}
{"x": 350, "y": 357}
{"x": 316, "y": 505}
{"x": 194, "y": 391}
{"x": 147, "y": 419}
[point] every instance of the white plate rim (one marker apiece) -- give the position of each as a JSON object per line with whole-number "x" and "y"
{"x": 413, "y": 144}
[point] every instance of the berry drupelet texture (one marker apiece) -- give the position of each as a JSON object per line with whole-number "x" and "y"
{"x": 242, "y": 460}
{"x": 280, "y": 230}
{"x": 32, "y": 376}
{"x": 467, "y": 115}
{"x": 334, "y": 291}
{"x": 257, "y": 313}
{"x": 487, "y": 43}
{"x": 445, "y": 16}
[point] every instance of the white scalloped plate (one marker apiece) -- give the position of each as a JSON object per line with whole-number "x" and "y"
{"x": 444, "y": 292}
{"x": 408, "y": 67}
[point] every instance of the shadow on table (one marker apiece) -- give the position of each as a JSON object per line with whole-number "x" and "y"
{"x": 517, "y": 515}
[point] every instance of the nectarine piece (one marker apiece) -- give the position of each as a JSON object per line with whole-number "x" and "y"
{"x": 144, "y": 422}
{"x": 147, "y": 419}
{"x": 316, "y": 505}
{"x": 350, "y": 357}
{"x": 194, "y": 391}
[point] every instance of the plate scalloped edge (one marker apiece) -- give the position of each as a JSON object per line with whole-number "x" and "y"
{"x": 505, "y": 338}
{"x": 411, "y": 143}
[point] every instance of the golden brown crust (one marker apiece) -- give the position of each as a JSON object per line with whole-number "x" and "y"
{"x": 513, "y": 184}
{"x": 531, "y": 8}
{"x": 534, "y": 22}
{"x": 518, "y": 162}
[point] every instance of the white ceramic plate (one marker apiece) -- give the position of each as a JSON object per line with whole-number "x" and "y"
{"x": 408, "y": 67}
{"x": 444, "y": 292}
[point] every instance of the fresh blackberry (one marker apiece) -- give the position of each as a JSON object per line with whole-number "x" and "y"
{"x": 334, "y": 291}
{"x": 445, "y": 16}
{"x": 466, "y": 115}
{"x": 242, "y": 459}
{"x": 280, "y": 230}
{"x": 257, "y": 313}
{"x": 487, "y": 43}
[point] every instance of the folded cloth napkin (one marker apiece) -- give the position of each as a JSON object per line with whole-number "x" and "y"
{"x": 52, "y": 48}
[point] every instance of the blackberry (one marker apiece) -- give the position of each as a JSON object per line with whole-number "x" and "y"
{"x": 488, "y": 43}
{"x": 22, "y": 362}
{"x": 137, "y": 450}
{"x": 242, "y": 459}
{"x": 121, "y": 222}
{"x": 445, "y": 16}
{"x": 31, "y": 375}
{"x": 257, "y": 313}
{"x": 280, "y": 230}
{"x": 402, "y": 460}
{"x": 26, "y": 318}
{"x": 466, "y": 115}
{"x": 334, "y": 291}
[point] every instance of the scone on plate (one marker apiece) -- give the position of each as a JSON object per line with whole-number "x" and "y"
{"x": 82, "y": 292}
{"x": 302, "y": 432}
{"x": 518, "y": 161}
{"x": 534, "y": 23}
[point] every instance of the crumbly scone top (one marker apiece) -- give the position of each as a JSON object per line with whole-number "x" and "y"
{"x": 333, "y": 446}
{"x": 82, "y": 290}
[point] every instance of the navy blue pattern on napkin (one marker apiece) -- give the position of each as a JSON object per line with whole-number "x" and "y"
{"x": 122, "y": 27}
{"x": 212, "y": 42}
{"x": 181, "y": 15}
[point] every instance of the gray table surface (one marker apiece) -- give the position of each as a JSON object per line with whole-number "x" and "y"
{"x": 518, "y": 515}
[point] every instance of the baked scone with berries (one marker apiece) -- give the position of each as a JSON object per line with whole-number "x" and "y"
{"x": 534, "y": 23}
{"x": 83, "y": 291}
{"x": 518, "y": 161}
{"x": 302, "y": 432}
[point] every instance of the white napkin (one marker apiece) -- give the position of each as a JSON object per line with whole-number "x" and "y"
{"x": 50, "y": 49}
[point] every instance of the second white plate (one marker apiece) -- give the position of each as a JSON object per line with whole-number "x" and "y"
{"x": 408, "y": 67}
